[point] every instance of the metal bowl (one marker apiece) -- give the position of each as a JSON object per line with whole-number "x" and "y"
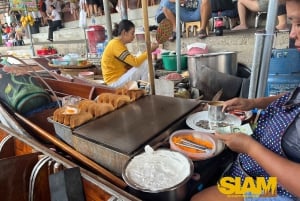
{"x": 174, "y": 192}
{"x": 224, "y": 62}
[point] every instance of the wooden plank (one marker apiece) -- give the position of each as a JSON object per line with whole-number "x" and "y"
{"x": 7, "y": 147}
{"x": 14, "y": 176}
{"x": 92, "y": 191}
{"x": 76, "y": 89}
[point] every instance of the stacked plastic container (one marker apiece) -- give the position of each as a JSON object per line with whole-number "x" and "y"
{"x": 284, "y": 71}
{"x": 95, "y": 35}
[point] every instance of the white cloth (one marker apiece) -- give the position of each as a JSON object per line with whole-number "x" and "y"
{"x": 81, "y": 4}
{"x": 82, "y": 18}
{"x": 133, "y": 74}
{"x": 55, "y": 15}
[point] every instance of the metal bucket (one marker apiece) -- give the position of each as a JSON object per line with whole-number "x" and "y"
{"x": 224, "y": 62}
{"x": 175, "y": 192}
{"x": 215, "y": 71}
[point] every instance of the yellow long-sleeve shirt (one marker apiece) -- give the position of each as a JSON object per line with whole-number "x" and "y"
{"x": 116, "y": 60}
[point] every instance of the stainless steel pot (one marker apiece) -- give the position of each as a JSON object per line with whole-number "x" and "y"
{"x": 224, "y": 62}
{"x": 177, "y": 192}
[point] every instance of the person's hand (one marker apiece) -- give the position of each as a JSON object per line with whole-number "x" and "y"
{"x": 238, "y": 142}
{"x": 154, "y": 46}
{"x": 238, "y": 104}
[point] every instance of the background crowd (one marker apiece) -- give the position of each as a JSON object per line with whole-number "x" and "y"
{"x": 68, "y": 10}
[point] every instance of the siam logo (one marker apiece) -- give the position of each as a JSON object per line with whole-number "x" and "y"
{"x": 251, "y": 187}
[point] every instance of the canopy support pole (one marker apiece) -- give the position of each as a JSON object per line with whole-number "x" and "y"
{"x": 262, "y": 55}
{"x": 107, "y": 19}
{"x": 178, "y": 36}
{"x": 148, "y": 45}
{"x": 267, "y": 51}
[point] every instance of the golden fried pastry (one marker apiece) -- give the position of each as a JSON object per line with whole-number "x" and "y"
{"x": 121, "y": 91}
{"x": 114, "y": 99}
{"x": 80, "y": 118}
{"x": 101, "y": 109}
{"x": 67, "y": 119}
{"x": 83, "y": 105}
{"x": 71, "y": 120}
{"x": 103, "y": 98}
{"x": 58, "y": 115}
{"x": 121, "y": 100}
{"x": 135, "y": 94}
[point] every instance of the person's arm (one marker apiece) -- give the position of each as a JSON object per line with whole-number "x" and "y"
{"x": 265, "y": 101}
{"x": 122, "y": 53}
{"x": 51, "y": 16}
{"x": 248, "y": 104}
{"x": 133, "y": 61}
{"x": 286, "y": 171}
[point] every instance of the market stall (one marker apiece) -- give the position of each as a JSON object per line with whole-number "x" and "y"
{"x": 106, "y": 143}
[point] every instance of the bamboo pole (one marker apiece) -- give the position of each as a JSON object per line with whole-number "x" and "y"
{"x": 148, "y": 45}
{"x": 44, "y": 134}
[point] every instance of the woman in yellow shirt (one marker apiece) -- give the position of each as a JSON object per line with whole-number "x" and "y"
{"x": 118, "y": 65}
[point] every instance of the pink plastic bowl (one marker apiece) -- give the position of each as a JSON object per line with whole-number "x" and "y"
{"x": 197, "y": 135}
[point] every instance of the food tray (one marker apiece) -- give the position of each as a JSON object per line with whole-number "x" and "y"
{"x": 70, "y": 66}
{"x": 63, "y": 131}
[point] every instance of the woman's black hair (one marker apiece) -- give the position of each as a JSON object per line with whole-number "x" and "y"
{"x": 123, "y": 25}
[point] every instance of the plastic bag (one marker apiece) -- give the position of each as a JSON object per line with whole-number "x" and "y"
{"x": 21, "y": 92}
{"x": 82, "y": 19}
{"x": 197, "y": 48}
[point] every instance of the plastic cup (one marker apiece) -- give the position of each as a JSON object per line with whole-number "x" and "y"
{"x": 215, "y": 112}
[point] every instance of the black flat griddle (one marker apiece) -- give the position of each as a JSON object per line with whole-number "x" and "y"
{"x": 134, "y": 125}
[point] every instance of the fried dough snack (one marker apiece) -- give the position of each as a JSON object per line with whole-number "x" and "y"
{"x": 101, "y": 109}
{"x": 96, "y": 109}
{"x": 71, "y": 120}
{"x": 83, "y": 105}
{"x": 114, "y": 99}
{"x": 80, "y": 118}
{"x": 133, "y": 94}
{"x": 58, "y": 115}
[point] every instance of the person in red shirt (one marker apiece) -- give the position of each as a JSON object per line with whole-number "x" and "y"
{"x": 5, "y": 32}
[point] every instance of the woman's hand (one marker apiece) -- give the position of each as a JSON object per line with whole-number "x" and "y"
{"x": 238, "y": 104}
{"x": 238, "y": 142}
{"x": 154, "y": 46}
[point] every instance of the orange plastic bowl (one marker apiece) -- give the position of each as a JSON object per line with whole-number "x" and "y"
{"x": 201, "y": 138}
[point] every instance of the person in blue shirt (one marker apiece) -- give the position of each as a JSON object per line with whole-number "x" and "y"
{"x": 190, "y": 11}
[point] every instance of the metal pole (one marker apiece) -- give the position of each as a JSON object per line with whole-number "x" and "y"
{"x": 31, "y": 41}
{"x": 147, "y": 37}
{"x": 267, "y": 51}
{"x": 86, "y": 43}
{"x": 123, "y": 9}
{"x": 259, "y": 39}
{"x": 30, "y": 35}
{"x": 178, "y": 38}
{"x": 107, "y": 19}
